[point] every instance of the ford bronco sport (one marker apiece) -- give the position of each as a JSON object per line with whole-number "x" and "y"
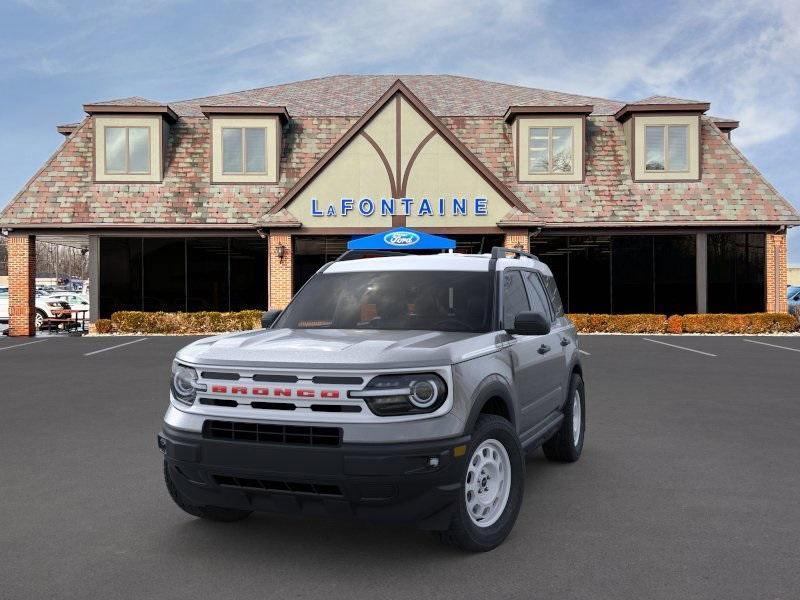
{"x": 394, "y": 387}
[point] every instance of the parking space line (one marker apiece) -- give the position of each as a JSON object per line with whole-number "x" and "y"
{"x": 584, "y": 352}
{"x": 680, "y": 347}
{"x": 20, "y": 345}
{"x": 114, "y": 347}
{"x": 772, "y": 345}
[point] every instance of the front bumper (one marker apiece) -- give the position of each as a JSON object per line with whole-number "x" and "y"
{"x": 409, "y": 482}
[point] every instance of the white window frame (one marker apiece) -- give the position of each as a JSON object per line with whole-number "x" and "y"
{"x": 550, "y": 129}
{"x": 665, "y": 148}
{"x": 244, "y": 171}
{"x": 127, "y": 129}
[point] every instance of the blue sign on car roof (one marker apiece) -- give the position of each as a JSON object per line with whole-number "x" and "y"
{"x": 401, "y": 238}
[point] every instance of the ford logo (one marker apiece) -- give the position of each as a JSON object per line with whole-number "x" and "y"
{"x": 401, "y": 238}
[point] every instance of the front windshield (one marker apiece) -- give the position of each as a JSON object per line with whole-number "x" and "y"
{"x": 430, "y": 300}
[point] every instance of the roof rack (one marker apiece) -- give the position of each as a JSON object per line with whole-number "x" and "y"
{"x": 499, "y": 252}
{"x": 356, "y": 254}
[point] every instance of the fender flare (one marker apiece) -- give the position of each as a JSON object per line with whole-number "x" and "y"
{"x": 491, "y": 387}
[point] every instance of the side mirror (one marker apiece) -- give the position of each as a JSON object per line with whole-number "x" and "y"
{"x": 268, "y": 318}
{"x": 531, "y": 323}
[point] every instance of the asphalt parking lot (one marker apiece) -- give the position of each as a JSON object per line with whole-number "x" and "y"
{"x": 688, "y": 488}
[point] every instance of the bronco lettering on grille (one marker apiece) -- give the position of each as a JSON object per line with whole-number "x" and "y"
{"x": 240, "y": 390}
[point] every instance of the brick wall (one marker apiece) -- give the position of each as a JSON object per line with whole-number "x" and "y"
{"x": 280, "y": 271}
{"x": 517, "y": 237}
{"x": 776, "y": 273}
{"x": 21, "y": 284}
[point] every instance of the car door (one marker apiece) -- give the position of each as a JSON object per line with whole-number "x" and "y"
{"x": 3, "y": 304}
{"x": 559, "y": 340}
{"x": 532, "y": 356}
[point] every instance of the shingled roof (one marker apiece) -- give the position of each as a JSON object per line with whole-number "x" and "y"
{"x": 731, "y": 191}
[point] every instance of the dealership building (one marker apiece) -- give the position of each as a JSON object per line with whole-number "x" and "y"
{"x": 232, "y": 201}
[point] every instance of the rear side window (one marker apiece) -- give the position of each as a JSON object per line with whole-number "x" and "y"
{"x": 555, "y": 297}
{"x": 537, "y": 294}
{"x": 515, "y": 298}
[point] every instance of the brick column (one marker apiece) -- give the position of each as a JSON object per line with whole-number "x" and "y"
{"x": 775, "y": 273}
{"x": 280, "y": 270}
{"x": 21, "y": 284}
{"x": 517, "y": 237}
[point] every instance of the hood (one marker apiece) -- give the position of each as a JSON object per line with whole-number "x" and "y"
{"x": 335, "y": 348}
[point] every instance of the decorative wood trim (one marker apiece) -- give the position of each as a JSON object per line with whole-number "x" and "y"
{"x": 412, "y": 158}
{"x": 399, "y": 87}
{"x": 384, "y": 160}
{"x": 131, "y": 109}
{"x": 629, "y": 109}
{"x": 279, "y": 111}
{"x": 515, "y": 111}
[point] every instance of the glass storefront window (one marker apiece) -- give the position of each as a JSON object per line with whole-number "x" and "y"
{"x": 736, "y": 272}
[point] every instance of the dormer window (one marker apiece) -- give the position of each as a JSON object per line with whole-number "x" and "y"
{"x": 245, "y": 143}
{"x": 127, "y": 150}
{"x": 244, "y": 150}
{"x": 548, "y": 142}
{"x": 666, "y": 148}
{"x": 550, "y": 150}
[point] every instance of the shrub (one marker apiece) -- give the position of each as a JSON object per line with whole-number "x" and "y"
{"x": 197, "y": 322}
{"x": 103, "y": 326}
{"x": 619, "y": 323}
{"x": 675, "y": 324}
{"x": 746, "y": 323}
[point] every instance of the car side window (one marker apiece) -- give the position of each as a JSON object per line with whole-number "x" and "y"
{"x": 515, "y": 298}
{"x": 537, "y": 294}
{"x": 555, "y": 297}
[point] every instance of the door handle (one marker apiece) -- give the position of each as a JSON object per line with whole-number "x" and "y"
{"x": 544, "y": 349}
{"x": 565, "y": 341}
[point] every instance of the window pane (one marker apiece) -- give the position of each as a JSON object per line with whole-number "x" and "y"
{"x": 736, "y": 272}
{"x": 515, "y": 299}
{"x": 248, "y": 273}
{"x": 654, "y": 148}
{"x": 538, "y": 150}
{"x": 120, "y": 266}
{"x": 675, "y": 280}
{"x": 255, "y": 139}
{"x": 138, "y": 149}
{"x": 231, "y": 150}
{"x": 590, "y": 274}
{"x": 562, "y": 149}
{"x": 207, "y": 273}
{"x": 164, "y": 277}
{"x": 552, "y": 250}
{"x": 632, "y": 274}
{"x": 678, "y": 140}
{"x": 536, "y": 294}
{"x": 115, "y": 149}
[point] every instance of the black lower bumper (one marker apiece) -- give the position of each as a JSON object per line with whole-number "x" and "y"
{"x": 410, "y": 482}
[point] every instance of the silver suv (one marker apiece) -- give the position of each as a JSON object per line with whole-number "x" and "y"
{"x": 395, "y": 387}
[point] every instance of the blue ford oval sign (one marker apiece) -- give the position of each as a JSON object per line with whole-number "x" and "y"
{"x": 401, "y": 238}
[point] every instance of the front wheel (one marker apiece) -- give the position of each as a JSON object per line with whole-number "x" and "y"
{"x": 492, "y": 487}
{"x": 567, "y": 444}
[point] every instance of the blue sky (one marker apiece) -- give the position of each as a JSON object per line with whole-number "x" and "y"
{"x": 56, "y": 55}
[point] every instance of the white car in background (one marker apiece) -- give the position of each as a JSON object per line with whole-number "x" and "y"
{"x": 76, "y": 301}
{"x": 46, "y": 307}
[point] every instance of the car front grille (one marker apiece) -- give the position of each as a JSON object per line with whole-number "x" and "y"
{"x": 268, "y": 485}
{"x": 273, "y": 433}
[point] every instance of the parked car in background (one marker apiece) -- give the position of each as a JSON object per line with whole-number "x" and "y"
{"x": 76, "y": 301}
{"x": 47, "y": 307}
{"x": 793, "y": 296}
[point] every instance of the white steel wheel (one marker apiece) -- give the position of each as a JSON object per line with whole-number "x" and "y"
{"x": 577, "y": 417}
{"x": 488, "y": 483}
{"x": 38, "y": 320}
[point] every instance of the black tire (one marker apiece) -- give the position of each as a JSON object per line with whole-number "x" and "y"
{"x": 212, "y": 513}
{"x": 43, "y": 315}
{"x": 562, "y": 447}
{"x": 463, "y": 532}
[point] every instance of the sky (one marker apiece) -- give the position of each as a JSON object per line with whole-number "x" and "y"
{"x": 739, "y": 55}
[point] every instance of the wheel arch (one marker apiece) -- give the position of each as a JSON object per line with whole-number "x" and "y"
{"x": 494, "y": 397}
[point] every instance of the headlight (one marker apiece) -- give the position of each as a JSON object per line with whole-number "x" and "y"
{"x": 403, "y": 394}
{"x": 184, "y": 383}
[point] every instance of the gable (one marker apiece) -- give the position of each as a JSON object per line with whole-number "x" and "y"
{"x": 398, "y": 161}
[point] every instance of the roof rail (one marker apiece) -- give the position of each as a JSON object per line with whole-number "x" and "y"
{"x": 498, "y": 252}
{"x": 356, "y": 254}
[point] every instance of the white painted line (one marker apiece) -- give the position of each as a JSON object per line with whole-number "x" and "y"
{"x": 20, "y": 345}
{"x": 113, "y": 347}
{"x": 772, "y": 345}
{"x": 680, "y": 347}
{"x": 584, "y": 352}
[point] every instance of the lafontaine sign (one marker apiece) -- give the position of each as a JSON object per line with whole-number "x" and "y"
{"x": 422, "y": 207}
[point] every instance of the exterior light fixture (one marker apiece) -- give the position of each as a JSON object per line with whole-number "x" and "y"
{"x": 280, "y": 252}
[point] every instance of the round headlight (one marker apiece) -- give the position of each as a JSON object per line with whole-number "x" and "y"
{"x": 184, "y": 383}
{"x": 423, "y": 393}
